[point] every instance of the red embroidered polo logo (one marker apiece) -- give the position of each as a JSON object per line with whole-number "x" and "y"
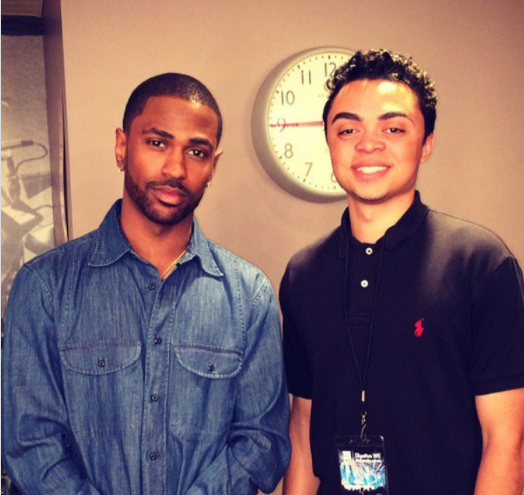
{"x": 419, "y": 329}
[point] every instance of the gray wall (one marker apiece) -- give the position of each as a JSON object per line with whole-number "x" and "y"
{"x": 473, "y": 49}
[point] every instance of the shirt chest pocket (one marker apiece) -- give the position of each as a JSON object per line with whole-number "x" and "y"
{"x": 102, "y": 381}
{"x": 202, "y": 389}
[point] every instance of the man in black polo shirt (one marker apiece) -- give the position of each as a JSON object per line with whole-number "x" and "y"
{"x": 404, "y": 323}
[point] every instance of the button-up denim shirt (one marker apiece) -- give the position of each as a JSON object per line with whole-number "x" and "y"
{"x": 117, "y": 382}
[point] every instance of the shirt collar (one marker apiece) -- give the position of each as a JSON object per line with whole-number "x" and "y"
{"x": 199, "y": 247}
{"x": 404, "y": 229}
{"x": 111, "y": 244}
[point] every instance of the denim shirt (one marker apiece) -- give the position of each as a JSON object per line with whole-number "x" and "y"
{"x": 117, "y": 382}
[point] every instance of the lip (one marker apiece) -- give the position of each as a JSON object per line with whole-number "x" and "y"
{"x": 169, "y": 195}
{"x": 370, "y": 171}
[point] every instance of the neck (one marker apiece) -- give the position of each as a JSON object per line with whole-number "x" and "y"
{"x": 369, "y": 222}
{"x": 156, "y": 243}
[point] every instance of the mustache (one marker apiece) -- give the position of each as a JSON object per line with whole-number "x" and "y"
{"x": 172, "y": 183}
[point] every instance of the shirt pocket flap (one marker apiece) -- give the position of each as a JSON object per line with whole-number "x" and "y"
{"x": 100, "y": 357}
{"x": 209, "y": 361}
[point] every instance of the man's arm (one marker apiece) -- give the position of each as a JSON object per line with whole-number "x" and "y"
{"x": 257, "y": 452}
{"x": 501, "y": 417}
{"x": 299, "y": 479}
{"x": 34, "y": 418}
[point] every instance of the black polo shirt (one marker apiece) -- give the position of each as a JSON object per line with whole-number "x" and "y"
{"x": 449, "y": 325}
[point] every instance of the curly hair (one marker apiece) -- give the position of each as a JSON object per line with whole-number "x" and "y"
{"x": 383, "y": 64}
{"x": 169, "y": 84}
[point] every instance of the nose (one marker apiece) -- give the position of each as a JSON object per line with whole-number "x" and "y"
{"x": 175, "y": 164}
{"x": 369, "y": 142}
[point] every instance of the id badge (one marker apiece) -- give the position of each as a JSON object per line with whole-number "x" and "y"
{"x": 362, "y": 463}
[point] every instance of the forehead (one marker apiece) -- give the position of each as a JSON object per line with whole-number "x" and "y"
{"x": 379, "y": 96}
{"x": 176, "y": 115}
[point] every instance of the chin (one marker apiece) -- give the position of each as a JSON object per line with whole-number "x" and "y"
{"x": 167, "y": 218}
{"x": 369, "y": 199}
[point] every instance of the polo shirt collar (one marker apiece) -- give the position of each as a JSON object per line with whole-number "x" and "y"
{"x": 111, "y": 244}
{"x": 404, "y": 229}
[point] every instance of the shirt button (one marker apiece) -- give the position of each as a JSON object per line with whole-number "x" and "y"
{"x": 369, "y": 251}
{"x": 101, "y": 363}
{"x": 158, "y": 340}
{"x": 364, "y": 283}
{"x": 151, "y": 286}
{"x": 154, "y": 398}
{"x": 153, "y": 456}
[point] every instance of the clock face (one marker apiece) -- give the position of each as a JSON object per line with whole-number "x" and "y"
{"x": 288, "y": 130}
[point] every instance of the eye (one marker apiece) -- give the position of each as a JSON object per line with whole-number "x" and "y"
{"x": 198, "y": 153}
{"x": 347, "y": 132}
{"x": 395, "y": 130}
{"x": 156, "y": 143}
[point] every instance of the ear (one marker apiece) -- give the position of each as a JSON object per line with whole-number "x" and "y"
{"x": 218, "y": 154}
{"x": 427, "y": 148}
{"x": 120, "y": 148}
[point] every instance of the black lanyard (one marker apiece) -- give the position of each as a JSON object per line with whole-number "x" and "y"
{"x": 362, "y": 376}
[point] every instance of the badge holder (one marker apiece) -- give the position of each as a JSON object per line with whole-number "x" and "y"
{"x": 362, "y": 459}
{"x": 362, "y": 462}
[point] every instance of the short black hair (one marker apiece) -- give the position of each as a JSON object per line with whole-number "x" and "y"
{"x": 169, "y": 84}
{"x": 383, "y": 64}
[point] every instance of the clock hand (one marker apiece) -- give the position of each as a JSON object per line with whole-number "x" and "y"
{"x": 318, "y": 123}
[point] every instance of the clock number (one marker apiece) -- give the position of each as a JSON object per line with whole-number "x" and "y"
{"x": 281, "y": 122}
{"x": 306, "y": 78}
{"x": 329, "y": 68}
{"x": 333, "y": 178}
{"x": 287, "y": 97}
{"x": 288, "y": 151}
{"x": 308, "y": 165}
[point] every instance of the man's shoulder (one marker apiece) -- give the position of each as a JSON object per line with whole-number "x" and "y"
{"x": 312, "y": 271}
{"x": 314, "y": 255}
{"x": 466, "y": 236}
{"x": 466, "y": 246}
{"x": 231, "y": 264}
{"x": 59, "y": 257}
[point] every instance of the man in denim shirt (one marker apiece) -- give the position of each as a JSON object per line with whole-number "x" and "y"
{"x": 142, "y": 358}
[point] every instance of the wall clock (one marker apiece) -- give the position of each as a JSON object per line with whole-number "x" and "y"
{"x": 287, "y": 127}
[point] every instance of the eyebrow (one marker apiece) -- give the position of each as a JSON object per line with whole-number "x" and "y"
{"x": 158, "y": 132}
{"x": 392, "y": 115}
{"x": 202, "y": 142}
{"x": 358, "y": 118}
{"x": 168, "y": 135}
{"x": 346, "y": 115}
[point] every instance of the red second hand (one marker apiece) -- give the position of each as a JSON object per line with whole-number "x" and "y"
{"x": 318, "y": 123}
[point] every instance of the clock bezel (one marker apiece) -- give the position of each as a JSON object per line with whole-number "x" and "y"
{"x": 260, "y": 130}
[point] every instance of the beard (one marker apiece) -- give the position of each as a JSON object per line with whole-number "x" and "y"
{"x": 168, "y": 214}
